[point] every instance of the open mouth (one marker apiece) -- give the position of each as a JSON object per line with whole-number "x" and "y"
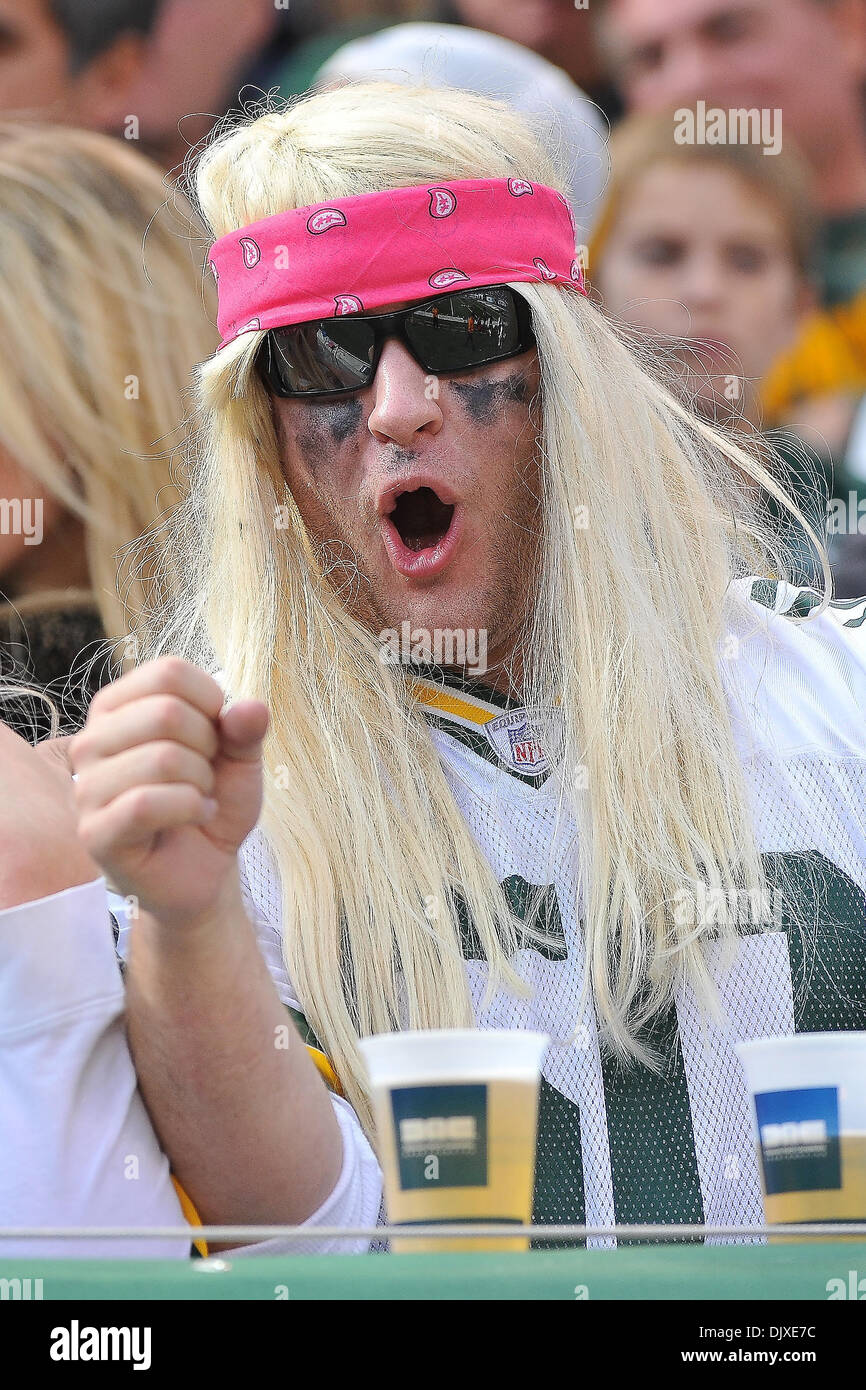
{"x": 421, "y": 531}
{"x": 421, "y": 519}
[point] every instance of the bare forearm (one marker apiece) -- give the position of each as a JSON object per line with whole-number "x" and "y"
{"x": 169, "y": 787}
{"x": 236, "y": 1101}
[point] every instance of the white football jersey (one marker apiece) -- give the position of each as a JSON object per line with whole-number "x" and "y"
{"x": 626, "y": 1144}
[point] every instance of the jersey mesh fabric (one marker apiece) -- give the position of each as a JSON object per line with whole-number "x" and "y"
{"x": 630, "y": 1144}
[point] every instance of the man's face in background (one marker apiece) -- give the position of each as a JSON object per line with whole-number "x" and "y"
{"x": 33, "y": 59}
{"x": 805, "y": 57}
{"x": 422, "y": 493}
{"x": 557, "y": 29}
{"x": 39, "y": 77}
{"x": 561, "y": 31}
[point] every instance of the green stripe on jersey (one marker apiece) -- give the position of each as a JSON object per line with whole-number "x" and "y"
{"x": 826, "y": 940}
{"x": 530, "y": 904}
{"x": 654, "y": 1167}
{"x": 559, "y": 1196}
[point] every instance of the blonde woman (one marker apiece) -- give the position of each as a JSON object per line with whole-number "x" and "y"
{"x": 624, "y": 833}
{"x": 710, "y": 248}
{"x": 102, "y": 318}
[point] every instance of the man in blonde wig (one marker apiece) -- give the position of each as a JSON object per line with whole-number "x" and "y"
{"x": 627, "y": 812}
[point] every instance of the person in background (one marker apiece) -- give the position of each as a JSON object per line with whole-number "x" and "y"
{"x": 102, "y": 318}
{"x": 818, "y": 388}
{"x": 73, "y": 61}
{"x": 559, "y": 30}
{"x": 710, "y": 248}
{"x": 443, "y": 55}
{"x": 306, "y": 35}
{"x": 199, "y": 56}
{"x": 806, "y": 58}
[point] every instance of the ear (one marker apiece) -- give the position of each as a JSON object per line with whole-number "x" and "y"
{"x": 104, "y": 90}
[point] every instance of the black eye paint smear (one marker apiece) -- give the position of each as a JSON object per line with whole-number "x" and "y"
{"x": 338, "y": 418}
{"x": 484, "y": 399}
{"x": 326, "y": 424}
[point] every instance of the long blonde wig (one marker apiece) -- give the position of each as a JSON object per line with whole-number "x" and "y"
{"x": 624, "y": 632}
{"x": 102, "y": 319}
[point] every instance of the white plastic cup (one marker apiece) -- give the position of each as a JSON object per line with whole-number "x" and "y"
{"x": 456, "y": 1117}
{"x": 809, "y": 1124}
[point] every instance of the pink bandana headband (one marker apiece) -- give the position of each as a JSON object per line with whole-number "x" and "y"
{"x": 354, "y": 255}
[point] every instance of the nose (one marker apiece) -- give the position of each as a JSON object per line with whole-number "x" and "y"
{"x": 702, "y": 286}
{"x": 406, "y": 398}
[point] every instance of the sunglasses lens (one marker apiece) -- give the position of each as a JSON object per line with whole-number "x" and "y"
{"x": 325, "y": 356}
{"x": 465, "y": 329}
{"x": 448, "y": 334}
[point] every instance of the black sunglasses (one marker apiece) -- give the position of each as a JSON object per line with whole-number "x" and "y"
{"x": 451, "y": 333}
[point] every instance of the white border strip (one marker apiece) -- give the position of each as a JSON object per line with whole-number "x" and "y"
{"x": 259, "y": 1233}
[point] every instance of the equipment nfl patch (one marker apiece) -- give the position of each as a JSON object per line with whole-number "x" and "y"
{"x": 514, "y": 742}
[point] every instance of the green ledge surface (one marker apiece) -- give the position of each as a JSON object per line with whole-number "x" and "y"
{"x": 789, "y": 1271}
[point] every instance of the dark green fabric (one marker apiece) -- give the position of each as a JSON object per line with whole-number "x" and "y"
{"x": 529, "y": 903}
{"x": 826, "y": 940}
{"x": 559, "y": 1193}
{"x": 842, "y": 257}
{"x": 654, "y": 1167}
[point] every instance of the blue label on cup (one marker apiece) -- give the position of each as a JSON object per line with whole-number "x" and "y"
{"x": 799, "y": 1134}
{"x": 441, "y": 1135}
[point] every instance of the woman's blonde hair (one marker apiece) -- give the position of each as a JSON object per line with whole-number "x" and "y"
{"x": 624, "y": 632}
{"x": 102, "y": 319}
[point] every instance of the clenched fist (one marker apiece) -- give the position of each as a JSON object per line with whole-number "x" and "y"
{"x": 169, "y": 785}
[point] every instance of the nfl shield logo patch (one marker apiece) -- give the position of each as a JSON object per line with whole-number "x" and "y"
{"x": 516, "y": 744}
